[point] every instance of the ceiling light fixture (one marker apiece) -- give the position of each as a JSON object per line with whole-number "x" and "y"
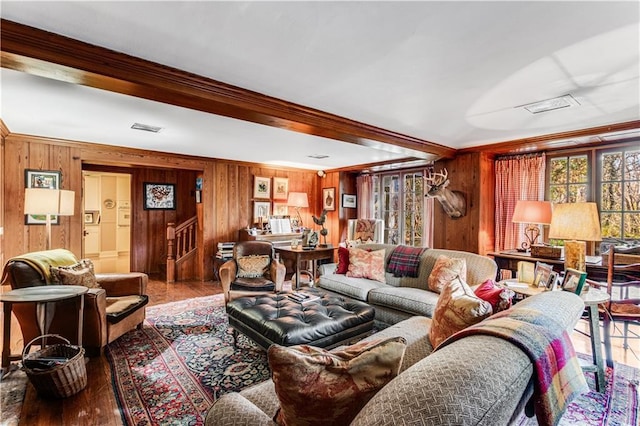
{"x": 146, "y": 127}
{"x": 318, "y": 156}
{"x": 550, "y": 104}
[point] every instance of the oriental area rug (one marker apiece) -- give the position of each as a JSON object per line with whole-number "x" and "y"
{"x": 172, "y": 370}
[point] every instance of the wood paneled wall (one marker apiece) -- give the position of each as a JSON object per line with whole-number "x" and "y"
{"x": 473, "y": 175}
{"x": 227, "y": 203}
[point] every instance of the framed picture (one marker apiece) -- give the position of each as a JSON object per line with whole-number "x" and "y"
{"x": 261, "y": 211}
{"x": 45, "y": 179}
{"x": 159, "y": 196}
{"x": 329, "y": 199}
{"x": 280, "y": 188}
{"x": 553, "y": 281}
{"x": 542, "y": 274}
{"x": 573, "y": 280}
{"x": 349, "y": 201}
{"x": 280, "y": 209}
{"x": 261, "y": 187}
{"x": 88, "y": 218}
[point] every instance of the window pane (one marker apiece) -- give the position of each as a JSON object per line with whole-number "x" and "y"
{"x": 578, "y": 169}
{"x": 611, "y": 166}
{"x": 611, "y": 225}
{"x": 611, "y": 196}
{"x": 632, "y": 196}
{"x": 632, "y": 226}
{"x": 632, "y": 165}
{"x": 558, "y": 194}
{"x": 577, "y": 193}
{"x": 558, "y": 170}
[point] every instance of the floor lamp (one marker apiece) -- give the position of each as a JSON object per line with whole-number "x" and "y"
{"x": 48, "y": 202}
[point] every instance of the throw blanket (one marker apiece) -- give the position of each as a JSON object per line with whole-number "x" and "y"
{"x": 405, "y": 261}
{"x": 558, "y": 377}
{"x": 41, "y": 261}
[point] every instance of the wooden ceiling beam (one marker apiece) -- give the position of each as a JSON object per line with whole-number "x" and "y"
{"x": 50, "y": 55}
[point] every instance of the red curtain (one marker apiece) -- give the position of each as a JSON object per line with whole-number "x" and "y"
{"x": 517, "y": 178}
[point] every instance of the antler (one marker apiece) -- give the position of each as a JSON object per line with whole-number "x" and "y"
{"x": 437, "y": 179}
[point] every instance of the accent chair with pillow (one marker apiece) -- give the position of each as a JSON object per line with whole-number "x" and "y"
{"x": 253, "y": 270}
{"x": 114, "y": 304}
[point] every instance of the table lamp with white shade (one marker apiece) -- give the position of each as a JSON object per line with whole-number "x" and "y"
{"x": 298, "y": 200}
{"x": 48, "y": 202}
{"x": 575, "y": 223}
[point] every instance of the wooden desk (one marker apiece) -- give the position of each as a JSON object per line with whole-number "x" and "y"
{"x": 299, "y": 254}
{"x": 509, "y": 260}
{"x": 41, "y": 296}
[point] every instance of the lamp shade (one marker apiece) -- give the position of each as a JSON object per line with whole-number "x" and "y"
{"x": 43, "y": 201}
{"x": 575, "y": 221}
{"x": 298, "y": 199}
{"x": 532, "y": 212}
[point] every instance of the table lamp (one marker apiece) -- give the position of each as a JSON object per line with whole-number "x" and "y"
{"x": 575, "y": 223}
{"x": 532, "y": 213}
{"x": 48, "y": 202}
{"x": 298, "y": 200}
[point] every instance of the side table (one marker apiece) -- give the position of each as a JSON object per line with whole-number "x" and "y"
{"x": 592, "y": 299}
{"x": 41, "y": 296}
{"x": 299, "y": 254}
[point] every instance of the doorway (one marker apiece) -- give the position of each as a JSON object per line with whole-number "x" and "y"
{"x": 107, "y": 220}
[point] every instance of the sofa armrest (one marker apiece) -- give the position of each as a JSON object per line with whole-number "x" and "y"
{"x": 123, "y": 284}
{"x": 227, "y": 273}
{"x": 94, "y": 336}
{"x": 234, "y": 409}
{"x": 328, "y": 268}
{"x": 278, "y": 272}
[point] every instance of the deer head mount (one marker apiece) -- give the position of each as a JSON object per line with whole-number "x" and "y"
{"x": 453, "y": 202}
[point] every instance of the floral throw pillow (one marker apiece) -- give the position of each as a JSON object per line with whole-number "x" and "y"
{"x": 318, "y": 387}
{"x": 457, "y": 308}
{"x": 253, "y": 266}
{"x": 445, "y": 270}
{"x": 81, "y": 273}
{"x": 366, "y": 264}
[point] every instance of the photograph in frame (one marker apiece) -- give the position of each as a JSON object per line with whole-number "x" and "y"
{"x": 280, "y": 209}
{"x": 280, "y": 188}
{"x": 44, "y": 179}
{"x": 349, "y": 201}
{"x": 329, "y": 199}
{"x": 261, "y": 187}
{"x": 261, "y": 211}
{"x": 553, "y": 280}
{"x": 573, "y": 280}
{"x": 542, "y": 274}
{"x": 159, "y": 196}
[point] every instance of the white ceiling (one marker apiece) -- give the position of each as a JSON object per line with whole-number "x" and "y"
{"x": 446, "y": 72}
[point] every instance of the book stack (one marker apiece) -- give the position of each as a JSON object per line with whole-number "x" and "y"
{"x": 225, "y": 250}
{"x": 303, "y": 298}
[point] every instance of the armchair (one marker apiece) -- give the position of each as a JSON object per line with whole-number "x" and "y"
{"x": 623, "y": 307}
{"x": 114, "y": 307}
{"x": 253, "y": 270}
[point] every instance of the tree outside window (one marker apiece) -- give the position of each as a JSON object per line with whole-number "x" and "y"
{"x": 620, "y": 194}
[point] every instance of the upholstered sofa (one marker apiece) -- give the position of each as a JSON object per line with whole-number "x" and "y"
{"x": 476, "y": 380}
{"x": 114, "y": 307}
{"x": 399, "y": 298}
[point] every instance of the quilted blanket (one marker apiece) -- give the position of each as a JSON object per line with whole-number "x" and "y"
{"x": 558, "y": 375}
{"x": 405, "y": 261}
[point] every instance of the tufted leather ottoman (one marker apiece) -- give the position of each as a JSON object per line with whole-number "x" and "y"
{"x": 328, "y": 322}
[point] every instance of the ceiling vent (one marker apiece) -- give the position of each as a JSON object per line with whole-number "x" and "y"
{"x": 146, "y": 127}
{"x": 560, "y": 102}
{"x": 318, "y": 156}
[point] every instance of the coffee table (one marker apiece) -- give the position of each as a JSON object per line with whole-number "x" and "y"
{"x": 330, "y": 321}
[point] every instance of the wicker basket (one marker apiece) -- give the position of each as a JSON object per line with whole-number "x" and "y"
{"x": 62, "y": 380}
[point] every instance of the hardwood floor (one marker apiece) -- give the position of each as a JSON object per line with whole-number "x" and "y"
{"x": 96, "y": 405}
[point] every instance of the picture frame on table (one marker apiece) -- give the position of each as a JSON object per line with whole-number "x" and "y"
{"x": 542, "y": 274}
{"x": 261, "y": 187}
{"x": 552, "y": 284}
{"x": 329, "y": 199}
{"x": 159, "y": 196}
{"x": 349, "y": 201}
{"x": 44, "y": 179}
{"x": 280, "y": 188}
{"x": 573, "y": 280}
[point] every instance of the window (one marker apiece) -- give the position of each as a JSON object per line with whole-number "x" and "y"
{"x": 619, "y": 194}
{"x": 399, "y": 201}
{"x": 615, "y": 188}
